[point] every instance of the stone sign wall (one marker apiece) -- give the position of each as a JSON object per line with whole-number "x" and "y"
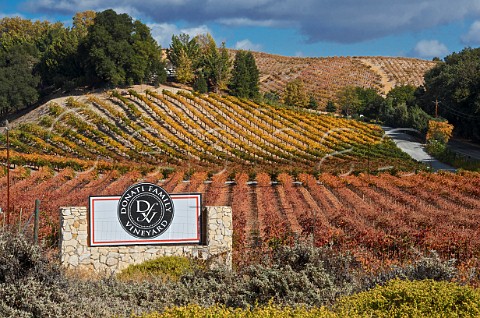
{"x": 77, "y": 254}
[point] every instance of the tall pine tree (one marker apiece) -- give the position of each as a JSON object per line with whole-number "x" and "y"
{"x": 253, "y": 75}
{"x": 239, "y": 85}
{"x": 245, "y": 76}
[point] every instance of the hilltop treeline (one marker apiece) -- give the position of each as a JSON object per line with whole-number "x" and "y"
{"x": 104, "y": 48}
{"x": 108, "y": 49}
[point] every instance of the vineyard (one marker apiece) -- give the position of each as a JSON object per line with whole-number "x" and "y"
{"x": 289, "y": 174}
{"x": 324, "y": 77}
{"x": 381, "y": 219}
{"x": 151, "y": 128}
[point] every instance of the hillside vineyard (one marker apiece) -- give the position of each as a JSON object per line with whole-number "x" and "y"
{"x": 324, "y": 77}
{"x": 129, "y": 128}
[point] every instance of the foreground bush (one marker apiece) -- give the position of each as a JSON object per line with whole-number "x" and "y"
{"x": 293, "y": 280}
{"x": 400, "y": 298}
{"x": 195, "y": 311}
{"x": 294, "y": 275}
{"x": 166, "y": 268}
{"x": 425, "y": 267}
{"x": 20, "y": 259}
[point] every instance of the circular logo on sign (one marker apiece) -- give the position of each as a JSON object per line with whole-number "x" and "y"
{"x": 145, "y": 210}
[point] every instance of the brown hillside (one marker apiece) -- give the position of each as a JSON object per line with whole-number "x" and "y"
{"x": 323, "y": 77}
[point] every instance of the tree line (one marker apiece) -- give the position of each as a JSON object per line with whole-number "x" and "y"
{"x": 106, "y": 49}
{"x": 200, "y": 63}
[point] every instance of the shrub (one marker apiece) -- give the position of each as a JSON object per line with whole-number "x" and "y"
{"x": 425, "y": 298}
{"x": 222, "y": 311}
{"x": 167, "y": 267}
{"x": 290, "y": 281}
{"x": 425, "y": 267}
{"x": 296, "y": 275}
{"x": 20, "y": 259}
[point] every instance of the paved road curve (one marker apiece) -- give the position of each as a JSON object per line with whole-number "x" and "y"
{"x": 414, "y": 149}
{"x": 465, "y": 148}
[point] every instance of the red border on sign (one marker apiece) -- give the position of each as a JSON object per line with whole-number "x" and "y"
{"x": 132, "y": 242}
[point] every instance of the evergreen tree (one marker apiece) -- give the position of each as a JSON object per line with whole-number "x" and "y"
{"x": 119, "y": 51}
{"x": 312, "y": 103}
{"x": 200, "y": 84}
{"x": 253, "y": 75}
{"x": 18, "y": 84}
{"x": 331, "y": 108}
{"x": 239, "y": 85}
{"x": 60, "y": 65}
{"x": 272, "y": 98}
{"x": 455, "y": 83}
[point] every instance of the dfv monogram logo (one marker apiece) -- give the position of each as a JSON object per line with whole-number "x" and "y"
{"x": 145, "y": 210}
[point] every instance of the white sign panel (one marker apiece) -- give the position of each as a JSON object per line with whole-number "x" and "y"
{"x": 111, "y": 225}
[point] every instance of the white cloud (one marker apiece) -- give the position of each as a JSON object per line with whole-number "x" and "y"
{"x": 247, "y": 22}
{"x": 430, "y": 48}
{"x": 162, "y": 32}
{"x": 248, "y": 46}
{"x": 473, "y": 35}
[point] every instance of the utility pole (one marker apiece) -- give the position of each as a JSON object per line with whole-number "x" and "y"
{"x": 8, "y": 173}
{"x": 436, "y": 107}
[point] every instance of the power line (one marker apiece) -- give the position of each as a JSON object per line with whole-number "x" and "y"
{"x": 459, "y": 113}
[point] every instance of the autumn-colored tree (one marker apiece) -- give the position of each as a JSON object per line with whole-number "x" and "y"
{"x": 184, "y": 54}
{"x": 184, "y": 71}
{"x": 18, "y": 31}
{"x": 294, "y": 94}
{"x": 83, "y": 20}
{"x": 214, "y": 63}
{"x": 439, "y": 131}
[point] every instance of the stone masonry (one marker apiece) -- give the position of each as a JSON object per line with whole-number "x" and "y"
{"x": 76, "y": 253}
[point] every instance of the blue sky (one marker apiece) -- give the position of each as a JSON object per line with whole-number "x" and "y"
{"x": 315, "y": 28}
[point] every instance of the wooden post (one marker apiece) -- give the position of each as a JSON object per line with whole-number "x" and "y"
{"x": 35, "y": 224}
{"x": 8, "y": 174}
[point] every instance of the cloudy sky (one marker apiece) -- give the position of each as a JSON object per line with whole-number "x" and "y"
{"x": 412, "y": 28}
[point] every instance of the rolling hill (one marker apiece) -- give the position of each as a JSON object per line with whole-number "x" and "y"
{"x": 323, "y": 77}
{"x": 159, "y": 126}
